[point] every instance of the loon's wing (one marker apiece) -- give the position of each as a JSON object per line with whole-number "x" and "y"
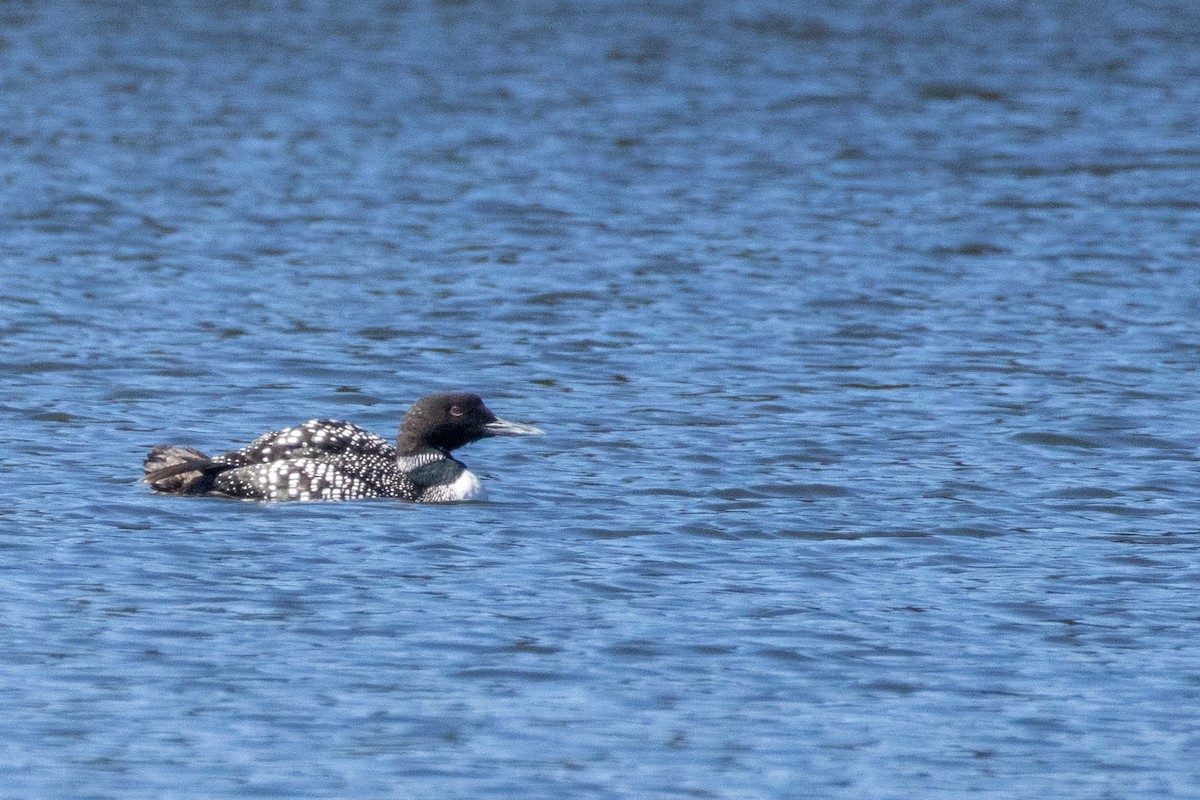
{"x": 315, "y": 439}
{"x": 352, "y": 475}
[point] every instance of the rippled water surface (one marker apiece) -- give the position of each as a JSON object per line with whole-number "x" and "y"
{"x": 865, "y": 336}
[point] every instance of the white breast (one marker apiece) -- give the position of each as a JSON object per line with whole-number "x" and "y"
{"x": 467, "y": 487}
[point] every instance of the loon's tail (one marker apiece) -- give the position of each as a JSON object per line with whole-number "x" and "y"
{"x": 179, "y": 470}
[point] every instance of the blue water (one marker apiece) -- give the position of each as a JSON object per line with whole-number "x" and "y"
{"x": 865, "y": 336}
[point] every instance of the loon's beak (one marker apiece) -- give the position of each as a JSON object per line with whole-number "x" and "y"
{"x": 502, "y": 427}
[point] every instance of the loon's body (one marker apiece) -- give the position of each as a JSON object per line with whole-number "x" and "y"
{"x": 326, "y": 459}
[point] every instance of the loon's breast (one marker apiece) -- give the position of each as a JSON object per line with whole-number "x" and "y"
{"x": 441, "y": 478}
{"x": 465, "y": 487}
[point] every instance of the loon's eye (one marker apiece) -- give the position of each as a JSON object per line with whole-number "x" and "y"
{"x": 455, "y": 411}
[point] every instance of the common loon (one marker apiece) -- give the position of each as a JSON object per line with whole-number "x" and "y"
{"x": 326, "y": 459}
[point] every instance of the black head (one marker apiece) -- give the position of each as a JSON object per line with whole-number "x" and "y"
{"x": 449, "y": 421}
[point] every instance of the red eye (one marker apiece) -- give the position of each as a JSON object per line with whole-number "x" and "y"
{"x": 455, "y": 411}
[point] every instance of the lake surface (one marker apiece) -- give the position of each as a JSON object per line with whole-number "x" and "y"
{"x": 865, "y": 336}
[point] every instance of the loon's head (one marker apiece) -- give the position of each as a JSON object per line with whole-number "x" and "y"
{"x": 449, "y": 421}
